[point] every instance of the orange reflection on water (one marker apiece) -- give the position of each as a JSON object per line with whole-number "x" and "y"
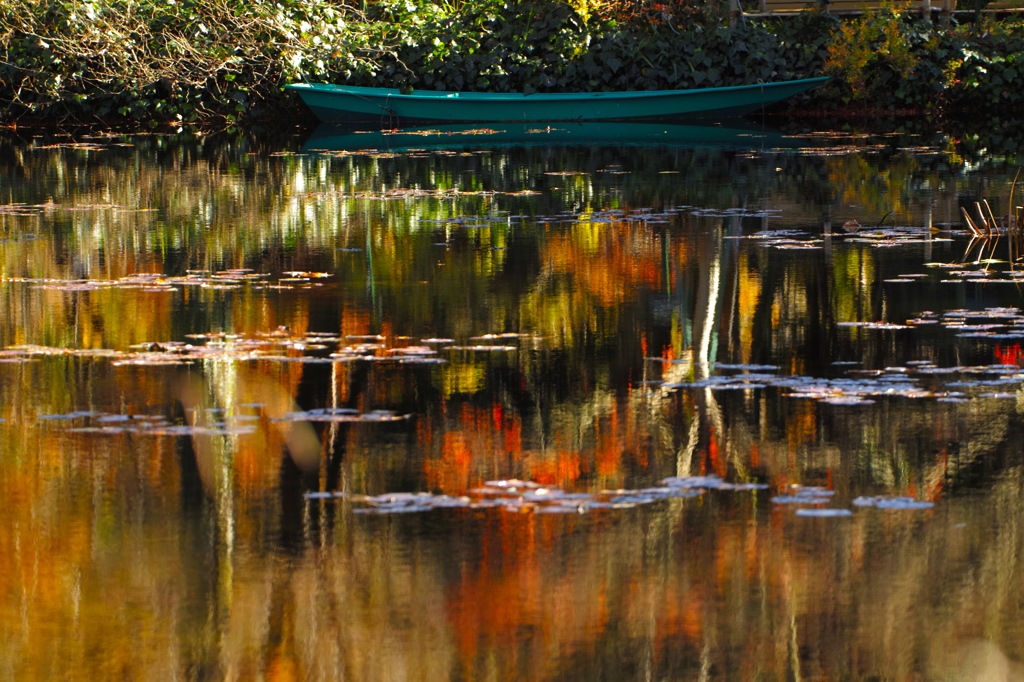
{"x": 608, "y": 262}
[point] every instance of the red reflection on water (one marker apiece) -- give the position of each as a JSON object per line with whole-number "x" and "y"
{"x": 1009, "y": 355}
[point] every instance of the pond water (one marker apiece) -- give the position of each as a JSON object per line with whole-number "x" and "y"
{"x": 572, "y": 404}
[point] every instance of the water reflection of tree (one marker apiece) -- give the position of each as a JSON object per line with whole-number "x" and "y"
{"x": 107, "y": 540}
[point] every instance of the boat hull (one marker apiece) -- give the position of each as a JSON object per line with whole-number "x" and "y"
{"x": 341, "y": 103}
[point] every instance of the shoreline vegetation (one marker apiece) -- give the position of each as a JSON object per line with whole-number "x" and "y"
{"x": 153, "y": 63}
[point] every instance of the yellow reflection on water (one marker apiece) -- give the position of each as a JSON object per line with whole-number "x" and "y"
{"x": 126, "y": 554}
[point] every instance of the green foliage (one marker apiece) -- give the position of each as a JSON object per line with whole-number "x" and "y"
{"x": 166, "y": 61}
{"x": 170, "y": 60}
{"x": 892, "y": 60}
{"x": 532, "y": 46}
{"x": 872, "y": 49}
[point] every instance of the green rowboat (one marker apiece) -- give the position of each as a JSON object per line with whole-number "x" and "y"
{"x": 343, "y": 103}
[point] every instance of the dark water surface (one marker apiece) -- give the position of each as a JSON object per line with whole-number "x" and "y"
{"x": 224, "y": 362}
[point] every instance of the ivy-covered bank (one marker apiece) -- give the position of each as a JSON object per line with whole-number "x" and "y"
{"x": 206, "y": 61}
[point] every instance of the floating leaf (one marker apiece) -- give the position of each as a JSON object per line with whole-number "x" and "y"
{"x": 826, "y": 513}
{"x": 882, "y": 502}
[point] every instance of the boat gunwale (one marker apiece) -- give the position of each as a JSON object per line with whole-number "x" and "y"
{"x": 446, "y": 95}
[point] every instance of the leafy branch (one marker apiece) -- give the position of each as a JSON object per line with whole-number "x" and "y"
{"x": 181, "y": 60}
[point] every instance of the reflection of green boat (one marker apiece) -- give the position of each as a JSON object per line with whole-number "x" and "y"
{"x": 737, "y": 135}
{"x": 341, "y": 103}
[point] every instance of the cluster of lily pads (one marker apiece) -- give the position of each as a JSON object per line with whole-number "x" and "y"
{"x": 343, "y": 414}
{"x": 414, "y": 193}
{"x": 280, "y": 345}
{"x": 215, "y": 422}
{"x": 23, "y": 210}
{"x": 996, "y": 324}
{"x": 978, "y": 271}
{"x": 234, "y": 278}
{"x": 405, "y": 153}
{"x": 518, "y": 496}
{"x": 839, "y": 150}
{"x": 794, "y": 239}
{"x": 92, "y": 421}
{"x": 529, "y": 497}
{"x": 644, "y": 216}
{"x": 960, "y": 273}
{"x": 809, "y": 501}
{"x": 863, "y": 386}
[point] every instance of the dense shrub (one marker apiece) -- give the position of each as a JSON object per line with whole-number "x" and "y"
{"x": 894, "y": 60}
{"x": 208, "y": 60}
{"x": 544, "y": 46}
{"x": 170, "y": 60}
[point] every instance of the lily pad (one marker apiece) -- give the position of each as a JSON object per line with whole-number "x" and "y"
{"x": 825, "y": 513}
